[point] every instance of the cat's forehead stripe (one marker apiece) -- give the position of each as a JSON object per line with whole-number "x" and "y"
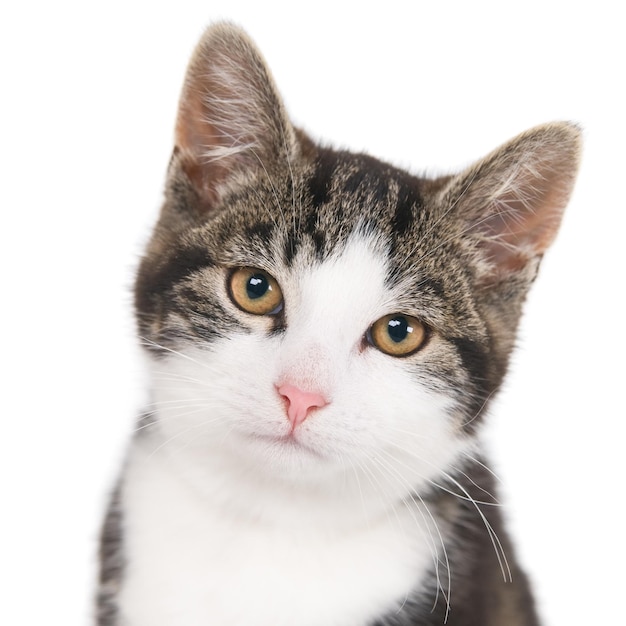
{"x": 362, "y": 186}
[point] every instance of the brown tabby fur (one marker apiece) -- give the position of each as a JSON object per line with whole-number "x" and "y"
{"x": 244, "y": 184}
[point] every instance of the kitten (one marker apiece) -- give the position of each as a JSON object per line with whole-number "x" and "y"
{"x": 324, "y": 333}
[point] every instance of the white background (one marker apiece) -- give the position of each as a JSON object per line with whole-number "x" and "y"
{"x": 88, "y": 96}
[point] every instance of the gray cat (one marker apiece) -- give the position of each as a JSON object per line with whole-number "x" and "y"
{"x": 324, "y": 334}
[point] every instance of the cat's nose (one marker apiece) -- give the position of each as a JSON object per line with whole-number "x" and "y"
{"x": 300, "y": 403}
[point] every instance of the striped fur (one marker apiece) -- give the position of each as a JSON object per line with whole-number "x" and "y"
{"x": 459, "y": 253}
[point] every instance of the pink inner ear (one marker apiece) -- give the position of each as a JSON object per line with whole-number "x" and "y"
{"x": 230, "y": 117}
{"x": 512, "y": 201}
{"x": 513, "y": 237}
{"x": 204, "y": 146}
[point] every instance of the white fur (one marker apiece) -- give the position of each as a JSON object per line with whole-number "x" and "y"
{"x": 229, "y": 522}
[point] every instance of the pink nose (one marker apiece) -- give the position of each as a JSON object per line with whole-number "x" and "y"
{"x": 299, "y": 403}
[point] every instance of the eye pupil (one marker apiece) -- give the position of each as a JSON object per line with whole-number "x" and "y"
{"x": 398, "y": 328}
{"x": 257, "y": 286}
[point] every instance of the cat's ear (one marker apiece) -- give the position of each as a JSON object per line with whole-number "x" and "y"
{"x": 231, "y": 122}
{"x": 511, "y": 202}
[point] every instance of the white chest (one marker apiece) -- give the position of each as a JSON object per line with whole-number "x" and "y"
{"x": 189, "y": 565}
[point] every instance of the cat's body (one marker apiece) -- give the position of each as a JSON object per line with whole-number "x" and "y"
{"x": 324, "y": 333}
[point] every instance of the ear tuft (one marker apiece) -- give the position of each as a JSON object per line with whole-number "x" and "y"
{"x": 231, "y": 121}
{"x": 512, "y": 201}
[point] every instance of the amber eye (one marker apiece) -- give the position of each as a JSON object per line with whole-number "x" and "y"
{"x": 255, "y": 291}
{"x": 397, "y": 335}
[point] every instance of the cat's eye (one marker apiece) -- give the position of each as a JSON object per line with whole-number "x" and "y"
{"x": 255, "y": 291}
{"x": 397, "y": 335}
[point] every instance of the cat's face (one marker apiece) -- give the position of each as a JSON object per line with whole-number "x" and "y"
{"x": 375, "y": 410}
{"x": 321, "y": 319}
{"x": 349, "y": 322}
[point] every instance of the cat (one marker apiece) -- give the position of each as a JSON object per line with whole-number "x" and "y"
{"x": 324, "y": 333}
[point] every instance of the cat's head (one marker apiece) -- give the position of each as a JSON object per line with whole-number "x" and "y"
{"x": 320, "y": 317}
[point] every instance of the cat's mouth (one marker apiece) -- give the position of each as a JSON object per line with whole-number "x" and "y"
{"x": 290, "y": 443}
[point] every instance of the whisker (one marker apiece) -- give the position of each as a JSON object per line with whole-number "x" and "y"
{"x": 485, "y": 467}
{"x": 495, "y": 540}
{"x": 150, "y": 343}
{"x": 164, "y": 376}
{"x": 185, "y": 431}
{"x": 437, "y": 561}
{"x": 480, "y": 410}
